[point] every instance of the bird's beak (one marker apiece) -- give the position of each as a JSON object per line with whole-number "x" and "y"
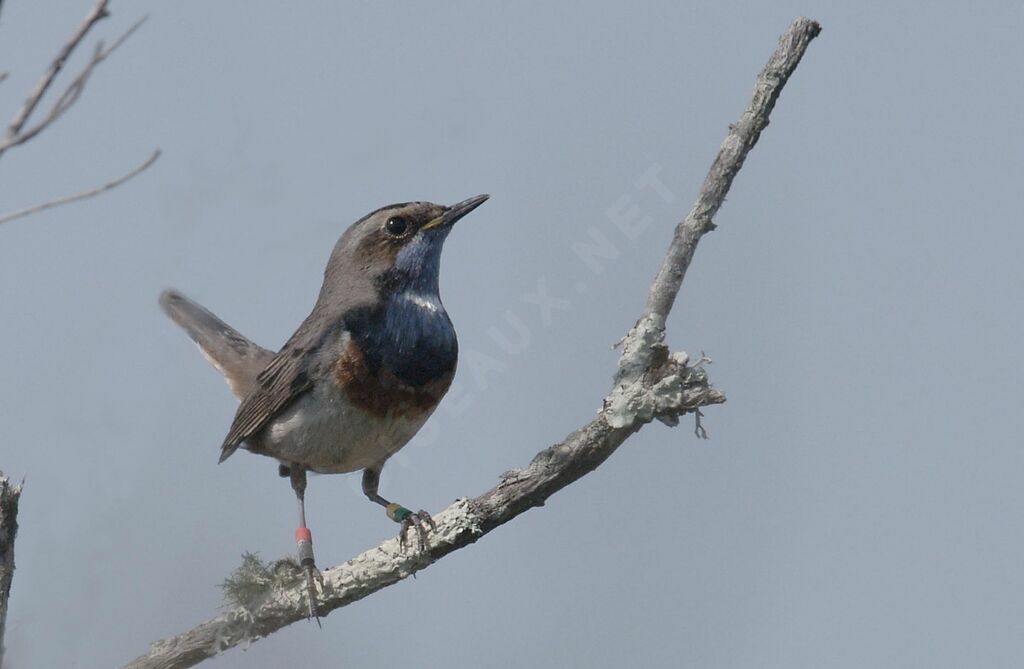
{"x": 457, "y": 211}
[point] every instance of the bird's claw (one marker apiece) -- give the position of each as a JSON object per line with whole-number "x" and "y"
{"x": 421, "y": 521}
{"x": 418, "y": 519}
{"x": 304, "y": 544}
{"x": 313, "y": 577}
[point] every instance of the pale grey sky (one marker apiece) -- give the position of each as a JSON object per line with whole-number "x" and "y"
{"x": 859, "y": 502}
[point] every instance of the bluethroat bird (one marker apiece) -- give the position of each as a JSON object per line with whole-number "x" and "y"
{"x": 362, "y": 373}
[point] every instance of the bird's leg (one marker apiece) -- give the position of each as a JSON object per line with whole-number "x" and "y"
{"x": 304, "y": 538}
{"x": 396, "y": 512}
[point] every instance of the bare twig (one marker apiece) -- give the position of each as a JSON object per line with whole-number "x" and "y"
{"x": 91, "y": 192}
{"x": 9, "y": 495}
{"x": 16, "y": 135}
{"x": 698, "y": 426}
{"x": 665, "y": 391}
{"x": 95, "y": 15}
{"x": 743, "y": 135}
{"x": 75, "y": 88}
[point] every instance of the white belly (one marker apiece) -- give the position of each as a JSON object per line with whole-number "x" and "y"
{"x": 324, "y": 432}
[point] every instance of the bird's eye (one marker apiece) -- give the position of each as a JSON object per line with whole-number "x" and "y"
{"x": 396, "y": 226}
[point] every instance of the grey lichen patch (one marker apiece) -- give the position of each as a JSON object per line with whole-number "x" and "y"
{"x": 256, "y": 583}
{"x": 668, "y": 392}
{"x": 629, "y": 400}
{"x": 389, "y": 562}
{"x": 668, "y": 388}
{"x": 456, "y": 519}
{"x": 638, "y": 347}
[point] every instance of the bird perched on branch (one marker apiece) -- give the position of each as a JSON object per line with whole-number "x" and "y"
{"x": 362, "y": 373}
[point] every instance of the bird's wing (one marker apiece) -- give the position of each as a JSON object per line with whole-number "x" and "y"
{"x": 286, "y": 377}
{"x": 234, "y": 356}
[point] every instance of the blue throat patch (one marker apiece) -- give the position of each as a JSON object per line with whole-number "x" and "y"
{"x": 409, "y": 334}
{"x": 415, "y": 343}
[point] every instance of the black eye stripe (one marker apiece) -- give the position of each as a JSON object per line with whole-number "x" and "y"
{"x": 396, "y": 226}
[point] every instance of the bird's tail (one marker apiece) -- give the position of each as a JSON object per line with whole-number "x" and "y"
{"x": 234, "y": 356}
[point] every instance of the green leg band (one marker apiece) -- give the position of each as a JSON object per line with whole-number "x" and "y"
{"x": 397, "y": 512}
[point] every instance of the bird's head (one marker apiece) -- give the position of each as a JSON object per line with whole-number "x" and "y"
{"x": 395, "y": 247}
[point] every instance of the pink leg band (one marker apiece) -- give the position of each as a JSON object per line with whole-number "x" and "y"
{"x": 304, "y": 539}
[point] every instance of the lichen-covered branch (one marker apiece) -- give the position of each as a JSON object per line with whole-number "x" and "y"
{"x": 652, "y": 383}
{"x": 9, "y": 495}
{"x": 265, "y": 598}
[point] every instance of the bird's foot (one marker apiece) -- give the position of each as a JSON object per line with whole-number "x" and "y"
{"x": 421, "y": 520}
{"x": 313, "y": 577}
